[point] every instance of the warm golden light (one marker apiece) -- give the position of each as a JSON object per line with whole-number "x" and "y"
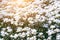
{"x": 0, "y": 0}
{"x": 28, "y": 0}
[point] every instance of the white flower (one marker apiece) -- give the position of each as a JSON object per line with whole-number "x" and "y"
{"x": 19, "y": 29}
{"x": 11, "y": 20}
{"x": 23, "y": 35}
{"x": 6, "y": 33}
{"x": 16, "y": 23}
{"x": 17, "y": 17}
{"x": 27, "y": 28}
{"x": 57, "y": 30}
{"x": 9, "y": 30}
{"x": 31, "y": 22}
{"x": 52, "y": 26}
{"x": 2, "y": 33}
{"x": 33, "y": 38}
{"x": 11, "y": 36}
{"x": 40, "y": 34}
{"x": 57, "y": 15}
{"x": 49, "y": 21}
{"x": 16, "y": 35}
{"x": 52, "y": 18}
{"x": 33, "y": 31}
{"x": 30, "y": 18}
{"x": 6, "y": 20}
{"x": 8, "y": 27}
{"x": 50, "y": 32}
{"x": 57, "y": 20}
{"x": 28, "y": 33}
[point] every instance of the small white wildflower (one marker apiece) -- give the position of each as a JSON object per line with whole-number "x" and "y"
{"x": 33, "y": 31}
{"x": 57, "y": 20}
{"x": 52, "y": 26}
{"x": 50, "y": 32}
{"x": 57, "y": 15}
{"x": 16, "y": 35}
{"x": 2, "y": 33}
{"x": 23, "y": 35}
{"x": 6, "y": 20}
{"x": 40, "y": 34}
{"x": 57, "y": 30}
{"x": 33, "y": 38}
{"x": 11, "y": 20}
{"x": 8, "y": 27}
{"x": 51, "y": 18}
{"x": 27, "y": 29}
{"x": 16, "y": 23}
{"x": 28, "y": 33}
{"x": 11, "y": 36}
{"x": 6, "y": 33}
{"x": 19, "y": 29}
{"x": 17, "y": 17}
{"x": 30, "y": 18}
{"x": 49, "y": 22}
{"x": 31, "y": 22}
{"x": 9, "y": 30}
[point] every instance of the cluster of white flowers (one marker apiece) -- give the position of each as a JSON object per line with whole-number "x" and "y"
{"x": 28, "y": 13}
{"x": 17, "y": 12}
{"x": 20, "y": 32}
